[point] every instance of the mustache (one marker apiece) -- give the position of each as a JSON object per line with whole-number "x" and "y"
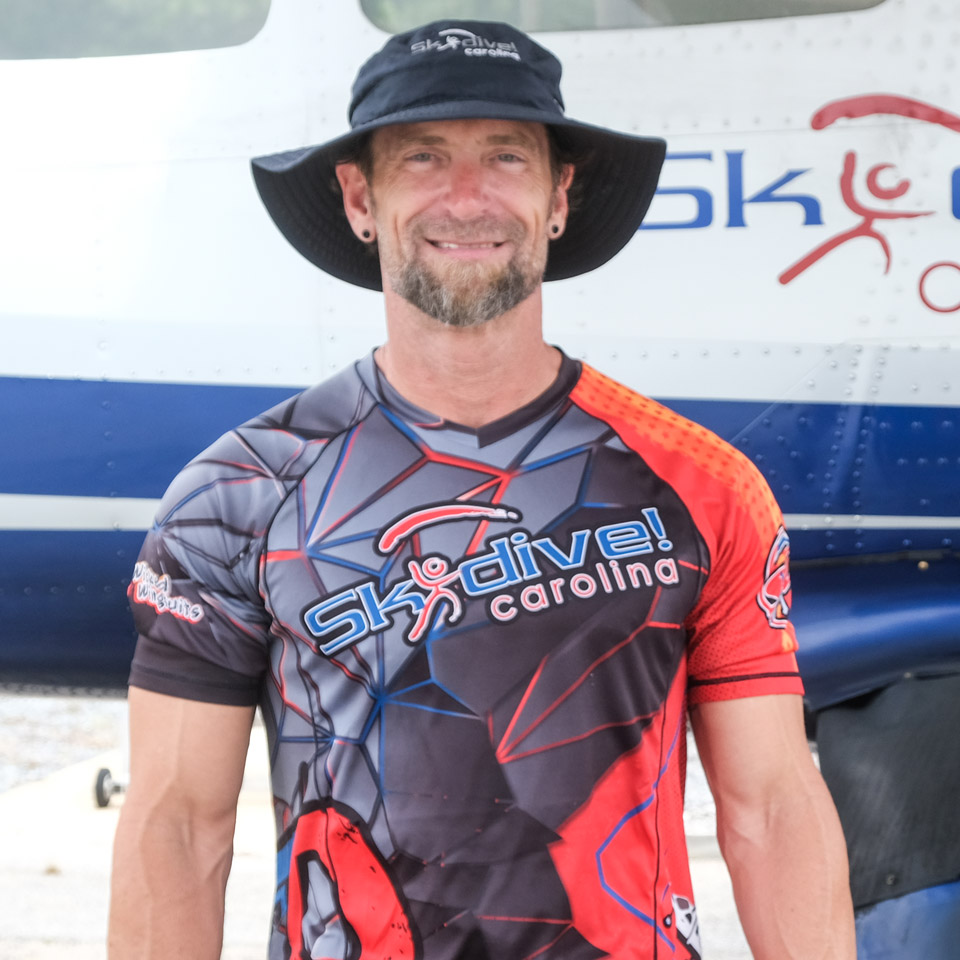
{"x": 474, "y": 230}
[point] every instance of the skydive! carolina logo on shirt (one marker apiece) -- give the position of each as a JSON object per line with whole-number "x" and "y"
{"x": 436, "y": 588}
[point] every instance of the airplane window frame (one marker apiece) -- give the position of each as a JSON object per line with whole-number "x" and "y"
{"x": 547, "y": 16}
{"x": 75, "y": 29}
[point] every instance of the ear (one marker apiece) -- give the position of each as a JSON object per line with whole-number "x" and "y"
{"x": 561, "y": 204}
{"x": 357, "y": 200}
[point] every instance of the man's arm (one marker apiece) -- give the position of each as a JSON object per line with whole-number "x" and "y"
{"x": 778, "y": 829}
{"x": 174, "y": 841}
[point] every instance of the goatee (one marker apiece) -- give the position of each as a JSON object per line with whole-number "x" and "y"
{"x": 455, "y": 301}
{"x": 469, "y": 294}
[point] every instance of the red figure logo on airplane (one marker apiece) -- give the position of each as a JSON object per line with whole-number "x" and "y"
{"x": 867, "y": 106}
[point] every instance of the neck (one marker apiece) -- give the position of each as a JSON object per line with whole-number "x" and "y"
{"x": 472, "y": 375}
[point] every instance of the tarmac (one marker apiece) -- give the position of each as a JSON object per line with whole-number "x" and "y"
{"x": 56, "y": 846}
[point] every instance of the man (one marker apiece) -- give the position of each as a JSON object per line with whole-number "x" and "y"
{"x": 472, "y": 583}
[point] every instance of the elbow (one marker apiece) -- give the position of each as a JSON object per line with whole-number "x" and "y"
{"x": 155, "y": 833}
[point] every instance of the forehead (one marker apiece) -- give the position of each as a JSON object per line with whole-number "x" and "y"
{"x": 461, "y": 133}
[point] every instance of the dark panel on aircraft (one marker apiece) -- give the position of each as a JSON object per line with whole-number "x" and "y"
{"x": 892, "y": 762}
{"x": 108, "y": 438}
{"x": 863, "y": 623}
{"x": 919, "y": 925}
{"x": 64, "y": 619}
{"x": 846, "y": 459}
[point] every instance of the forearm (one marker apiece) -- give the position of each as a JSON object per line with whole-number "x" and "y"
{"x": 790, "y": 877}
{"x": 167, "y": 888}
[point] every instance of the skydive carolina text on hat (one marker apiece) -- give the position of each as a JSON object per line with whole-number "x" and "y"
{"x": 456, "y": 70}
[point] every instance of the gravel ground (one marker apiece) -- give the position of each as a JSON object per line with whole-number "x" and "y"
{"x": 44, "y": 733}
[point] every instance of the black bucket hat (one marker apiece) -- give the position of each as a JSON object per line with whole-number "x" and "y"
{"x": 455, "y": 70}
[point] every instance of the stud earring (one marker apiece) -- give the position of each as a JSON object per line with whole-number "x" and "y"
{"x": 555, "y": 229}
{"x": 366, "y": 234}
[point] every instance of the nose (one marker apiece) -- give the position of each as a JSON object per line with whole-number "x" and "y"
{"x": 466, "y": 192}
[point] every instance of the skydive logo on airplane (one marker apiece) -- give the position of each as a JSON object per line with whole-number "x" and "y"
{"x": 872, "y": 205}
{"x": 546, "y": 572}
{"x": 471, "y": 44}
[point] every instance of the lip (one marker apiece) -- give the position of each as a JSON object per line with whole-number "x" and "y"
{"x": 466, "y": 249}
{"x": 460, "y": 245}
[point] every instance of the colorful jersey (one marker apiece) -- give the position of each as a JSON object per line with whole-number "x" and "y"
{"x": 473, "y": 650}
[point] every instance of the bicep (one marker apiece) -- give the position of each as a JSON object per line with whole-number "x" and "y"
{"x": 186, "y": 753}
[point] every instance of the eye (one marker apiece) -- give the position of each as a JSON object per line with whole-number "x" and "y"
{"x": 509, "y": 158}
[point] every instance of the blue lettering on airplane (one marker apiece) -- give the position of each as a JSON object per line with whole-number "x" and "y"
{"x": 702, "y": 197}
{"x": 736, "y": 198}
{"x": 810, "y": 205}
{"x": 705, "y": 202}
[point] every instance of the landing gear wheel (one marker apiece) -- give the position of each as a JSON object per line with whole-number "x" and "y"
{"x": 104, "y": 788}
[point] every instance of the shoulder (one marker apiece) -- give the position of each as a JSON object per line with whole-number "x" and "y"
{"x": 727, "y": 497}
{"x": 195, "y": 590}
{"x": 646, "y": 420}
{"x": 669, "y": 441}
{"x": 249, "y": 468}
{"x": 321, "y": 411}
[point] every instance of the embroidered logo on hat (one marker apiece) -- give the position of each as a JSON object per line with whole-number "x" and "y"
{"x": 472, "y": 45}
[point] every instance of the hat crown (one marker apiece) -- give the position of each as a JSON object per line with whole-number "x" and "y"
{"x": 456, "y": 60}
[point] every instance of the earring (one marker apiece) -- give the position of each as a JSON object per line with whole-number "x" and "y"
{"x": 555, "y": 229}
{"x": 366, "y": 234}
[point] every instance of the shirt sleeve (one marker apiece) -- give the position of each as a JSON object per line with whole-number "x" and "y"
{"x": 194, "y": 593}
{"x": 741, "y": 643}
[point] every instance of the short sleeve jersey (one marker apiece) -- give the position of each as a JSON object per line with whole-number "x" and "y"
{"x": 473, "y": 651}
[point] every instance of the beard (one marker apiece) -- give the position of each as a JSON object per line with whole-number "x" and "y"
{"x": 467, "y": 294}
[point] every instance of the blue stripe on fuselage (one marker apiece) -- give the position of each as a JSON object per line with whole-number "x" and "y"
{"x": 64, "y": 618}
{"x": 128, "y": 439}
{"x": 105, "y": 438}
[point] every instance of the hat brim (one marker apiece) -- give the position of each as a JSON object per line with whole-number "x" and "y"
{"x": 616, "y": 183}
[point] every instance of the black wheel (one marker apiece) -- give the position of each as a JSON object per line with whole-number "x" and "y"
{"x": 104, "y": 788}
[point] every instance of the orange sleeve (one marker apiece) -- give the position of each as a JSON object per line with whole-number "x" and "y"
{"x": 740, "y": 642}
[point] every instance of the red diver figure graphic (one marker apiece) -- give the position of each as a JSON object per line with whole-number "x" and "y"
{"x": 854, "y": 107}
{"x": 433, "y": 574}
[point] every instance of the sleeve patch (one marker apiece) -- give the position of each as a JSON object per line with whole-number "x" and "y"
{"x": 154, "y": 589}
{"x": 774, "y": 595}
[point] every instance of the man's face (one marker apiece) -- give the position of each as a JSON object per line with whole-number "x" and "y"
{"x": 463, "y": 212}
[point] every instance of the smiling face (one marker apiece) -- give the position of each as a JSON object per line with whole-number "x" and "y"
{"x": 462, "y": 210}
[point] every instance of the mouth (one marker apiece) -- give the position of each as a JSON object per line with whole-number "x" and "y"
{"x": 480, "y": 240}
{"x": 456, "y": 245}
